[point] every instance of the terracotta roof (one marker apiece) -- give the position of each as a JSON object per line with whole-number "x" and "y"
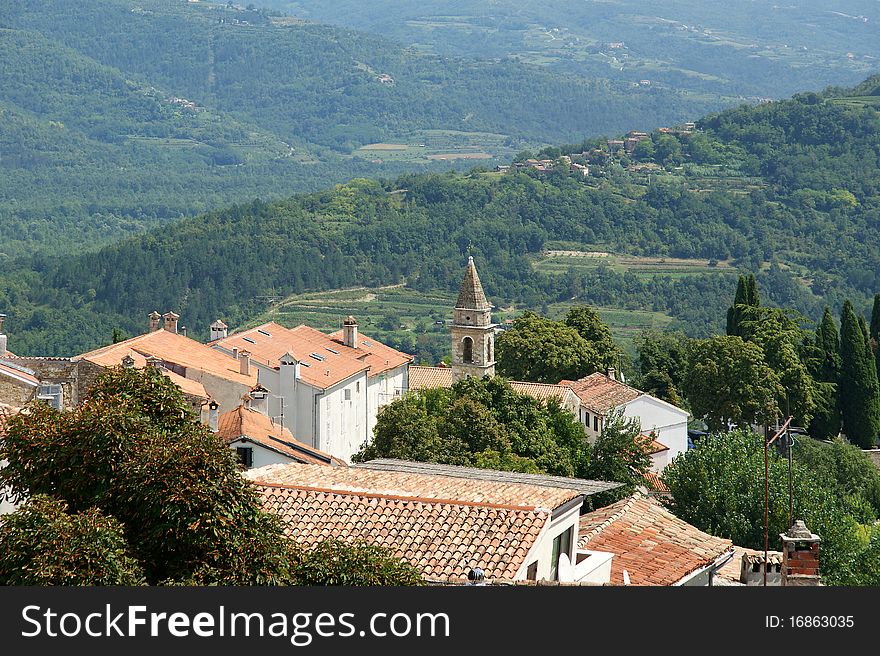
{"x": 176, "y": 349}
{"x": 582, "y": 485}
{"x": 470, "y": 294}
{"x": 429, "y": 377}
{"x": 652, "y": 444}
{"x": 187, "y": 386}
{"x": 601, "y": 394}
{"x": 245, "y": 423}
{"x": 655, "y": 482}
{"x": 444, "y": 539}
{"x": 732, "y": 570}
{"x": 414, "y": 485}
{"x": 20, "y": 373}
{"x": 542, "y": 391}
{"x": 654, "y": 546}
{"x": 379, "y": 356}
{"x": 271, "y": 341}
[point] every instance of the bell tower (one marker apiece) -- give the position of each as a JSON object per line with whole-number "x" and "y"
{"x": 473, "y": 333}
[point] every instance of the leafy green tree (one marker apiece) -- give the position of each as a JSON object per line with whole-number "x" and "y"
{"x": 729, "y": 383}
{"x": 334, "y": 562}
{"x": 719, "y": 488}
{"x": 663, "y": 363}
{"x": 589, "y": 325}
{"x": 859, "y": 390}
{"x": 544, "y": 351}
{"x": 136, "y": 451}
{"x": 875, "y": 331}
{"x": 618, "y": 454}
{"x": 480, "y": 423}
{"x": 844, "y": 468}
{"x": 826, "y": 422}
{"x": 746, "y": 297}
{"x": 42, "y": 544}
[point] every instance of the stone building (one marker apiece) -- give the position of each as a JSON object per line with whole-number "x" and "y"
{"x": 473, "y": 333}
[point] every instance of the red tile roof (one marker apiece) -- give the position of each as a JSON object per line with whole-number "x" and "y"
{"x": 429, "y": 377}
{"x": 415, "y": 485}
{"x": 187, "y": 386}
{"x": 335, "y": 362}
{"x": 442, "y": 538}
{"x": 654, "y": 546}
{"x": 543, "y": 391}
{"x": 655, "y": 482}
{"x": 601, "y": 394}
{"x": 176, "y": 349}
{"x": 245, "y": 423}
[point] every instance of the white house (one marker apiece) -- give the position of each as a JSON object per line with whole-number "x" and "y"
{"x": 600, "y": 394}
{"x": 327, "y": 389}
{"x": 515, "y": 527}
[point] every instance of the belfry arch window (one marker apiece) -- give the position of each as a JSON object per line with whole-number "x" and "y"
{"x": 489, "y": 350}
{"x": 467, "y": 351}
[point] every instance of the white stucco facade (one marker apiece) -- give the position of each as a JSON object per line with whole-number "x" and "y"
{"x": 541, "y": 552}
{"x": 666, "y": 421}
{"x": 260, "y": 455}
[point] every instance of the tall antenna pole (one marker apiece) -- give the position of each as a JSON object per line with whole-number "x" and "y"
{"x": 782, "y": 429}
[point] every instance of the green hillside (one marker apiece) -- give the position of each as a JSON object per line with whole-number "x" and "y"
{"x": 120, "y": 115}
{"x": 786, "y": 189}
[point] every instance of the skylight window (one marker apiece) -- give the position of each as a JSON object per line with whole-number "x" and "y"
{"x": 248, "y": 339}
{"x": 334, "y": 351}
{"x": 263, "y": 332}
{"x": 366, "y": 343}
{"x": 319, "y": 358}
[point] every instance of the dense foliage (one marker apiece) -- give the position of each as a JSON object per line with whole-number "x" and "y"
{"x": 719, "y": 488}
{"x": 120, "y": 115}
{"x": 133, "y": 468}
{"x": 43, "y": 544}
{"x": 333, "y": 562}
{"x": 485, "y": 423}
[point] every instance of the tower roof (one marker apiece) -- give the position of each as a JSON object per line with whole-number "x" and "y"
{"x": 471, "y": 295}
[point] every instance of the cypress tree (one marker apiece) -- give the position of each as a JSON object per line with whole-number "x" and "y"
{"x": 859, "y": 391}
{"x": 826, "y": 422}
{"x": 746, "y": 296}
{"x": 875, "y": 331}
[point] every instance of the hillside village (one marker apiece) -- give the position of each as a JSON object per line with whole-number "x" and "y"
{"x": 296, "y": 405}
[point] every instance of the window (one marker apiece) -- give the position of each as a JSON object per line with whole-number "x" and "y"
{"x": 561, "y": 545}
{"x": 52, "y": 394}
{"x": 347, "y": 394}
{"x": 587, "y": 419}
{"x": 249, "y": 340}
{"x": 357, "y": 387}
{"x": 489, "y": 350}
{"x": 596, "y": 423}
{"x": 263, "y": 332}
{"x": 467, "y": 350}
{"x": 245, "y": 456}
{"x": 532, "y": 571}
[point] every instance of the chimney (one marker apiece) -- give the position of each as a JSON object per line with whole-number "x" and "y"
{"x": 171, "y": 321}
{"x": 244, "y": 363}
{"x": 611, "y": 373}
{"x": 128, "y": 361}
{"x": 2, "y": 336}
{"x": 219, "y": 330}
{"x": 154, "y": 362}
{"x": 235, "y": 352}
{"x": 350, "y": 332}
{"x": 289, "y": 372}
{"x": 259, "y": 396}
{"x": 214, "y": 416}
{"x": 800, "y": 556}
{"x": 154, "y": 321}
{"x": 183, "y": 330}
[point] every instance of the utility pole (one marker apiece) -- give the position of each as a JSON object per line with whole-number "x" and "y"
{"x": 779, "y": 431}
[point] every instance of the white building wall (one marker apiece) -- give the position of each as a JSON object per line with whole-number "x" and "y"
{"x": 543, "y": 550}
{"x": 668, "y": 422}
{"x": 261, "y": 455}
{"x": 342, "y": 417}
{"x": 383, "y": 389}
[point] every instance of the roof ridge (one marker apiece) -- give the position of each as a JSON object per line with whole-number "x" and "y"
{"x": 398, "y": 497}
{"x": 636, "y": 496}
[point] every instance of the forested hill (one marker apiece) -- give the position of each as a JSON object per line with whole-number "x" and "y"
{"x": 788, "y": 189}
{"x": 118, "y": 114}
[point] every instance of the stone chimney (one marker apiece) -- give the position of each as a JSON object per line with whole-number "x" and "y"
{"x": 219, "y": 330}
{"x": 350, "y": 332}
{"x": 800, "y": 556}
{"x": 154, "y": 362}
{"x": 183, "y": 330}
{"x": 244, "y": 363}
{"x": 128, "y": 361}
{"x": 214, "y": 416}
{"x": 2, "y": 336}
{"x": 611, "y": 373}
{"x": 154, "y": 321}
{"x": 171, "y": 321}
